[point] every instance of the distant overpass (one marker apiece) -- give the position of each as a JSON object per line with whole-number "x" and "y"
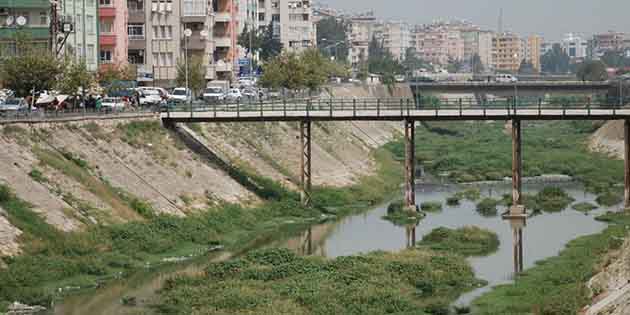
{"x": 521, "y": 88}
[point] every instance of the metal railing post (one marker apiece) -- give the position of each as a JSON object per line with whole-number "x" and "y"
{"x": 460, "y": 107}
{"x": 308, "y": 108}
{"x": 408, "y": 105}
{"x": 378, "y": 107}
{"x": 539, "y": 106}
{"x": 284, "y": 106}
{"x": 215, "y": 109}
{"x": 402, "y": 105}
{"x": 331, "y": 107}
{"x": 354, "y": 107}
{"x": 588, "y": 105}
{"x": 238, "y": 108}
{"x": 261, "y": 108}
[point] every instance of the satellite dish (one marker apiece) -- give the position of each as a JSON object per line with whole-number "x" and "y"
{"x": 188, "y": 32}
{"x": 10, "y": 20}
{"x": 203, "y": 34}
{"x": 21, "y": 21}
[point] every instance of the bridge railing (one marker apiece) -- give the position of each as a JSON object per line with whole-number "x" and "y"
{"x": 25, "y": 115}
{"x": 393, "y": 104}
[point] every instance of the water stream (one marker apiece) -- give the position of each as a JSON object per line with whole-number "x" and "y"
{"x": 544, "y": 236}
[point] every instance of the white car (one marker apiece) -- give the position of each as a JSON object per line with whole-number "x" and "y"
{"x": 213, "y": 94}
{"x": 150, "y": 97}
{"x": 113, "y": 103}
{"x": 181, "y": 94}
{"x": 234, "y": 95}
{"x": 505, "y": 78}
{"x": 13, "y": 105}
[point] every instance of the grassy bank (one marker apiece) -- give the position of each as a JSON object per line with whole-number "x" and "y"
{"x": 557, "y": 285}
{"x": 52, "y": 259}
{"x": 423, "y": 280}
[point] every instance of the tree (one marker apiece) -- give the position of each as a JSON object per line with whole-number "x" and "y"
{"x": 412, "y": 62}
{"x": 555, "y": 61}
{"x": 526, "y": 68}
{"x": 30, "y": 71}
{"x": 76, "y": 78}
{"x": 250, "y": 40}
{"x": 454, "y": 66}
{"x": 270, "y": 45}
{"x": 332, "y": 38}
{"x": 196, "y": 74}
{"x": 477, "y": 64}
{"x": 594, "y": 70}
{"x": 111, "y": 77}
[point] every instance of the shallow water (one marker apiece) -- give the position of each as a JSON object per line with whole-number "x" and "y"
{"x": 544, "y": 236}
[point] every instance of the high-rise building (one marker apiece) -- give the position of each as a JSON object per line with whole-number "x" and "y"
{"x": 478, "y": 42}
{"x": 292, "y": 22}
{"x": 432, "y": 45}
{"x": 396, "y": 37}
{"x": 361, "y": 31}
{"x": 532, "y": 49}
{"x": 507, "y": 52}
{"x": 611, "y": 41}
{"x": 112, "y": 42}
{"x": 31, "y": 18}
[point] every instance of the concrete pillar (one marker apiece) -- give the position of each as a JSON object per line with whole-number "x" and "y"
{"x": 517, "y": 168}
{"x": 305, "y": 162}
{"x": 626, "y": 137}
{"x": 410, "y": 165}
{"x": 518, "y": 224}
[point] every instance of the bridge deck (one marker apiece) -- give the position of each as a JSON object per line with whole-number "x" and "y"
{"x": 392, "y": 110}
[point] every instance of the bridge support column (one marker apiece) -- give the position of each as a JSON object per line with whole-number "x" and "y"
{"x": 410, "y": 165}
{"x": 517, "y": 215}
{"x": 305, "y": 162}
{"x": 626, "y": 137}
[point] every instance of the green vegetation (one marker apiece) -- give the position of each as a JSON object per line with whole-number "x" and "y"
{"x": 552, "y": 199}
{"x": 397, "y": 214}
{"x": 37, "y": 176}
{"x": 557, "y": 285}
{"x": 276, "y": 281}
{"x": 585, "y": 207}
{"x": 479, "y": 151}
{"x": 431, "y": 206}
{"x": 471, "y": 194}
{"x": 453, "y": 201}
{"x": 488, "y": 207}
{"x": 609, "y": 198}
{"x": 467, "y": 241}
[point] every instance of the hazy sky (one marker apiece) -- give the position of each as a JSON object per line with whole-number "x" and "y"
{"x": 550, "y": 18}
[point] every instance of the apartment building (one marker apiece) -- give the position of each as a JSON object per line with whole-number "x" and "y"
{"x": 431, "y": 45}
{"x": 30, "y": 17}
{"x": 396, "y": 37}
{"x": 610, "y": 41}
{"x": 82, "y": 43}
{"x": 532, "y": 48}
{"x": 507, "y": 52}
{"x": 292, "y": 22}
{"x": 112, "y": 40}
{"x": 156, "y": 31}
{"x": 575, "y": 46}
{"x": 478, "y": 42}
{"x": 361, "y": 31}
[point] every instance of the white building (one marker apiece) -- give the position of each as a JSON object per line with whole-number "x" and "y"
{"x": 83, "y": 42}
{"x": 292, "y": 22}
{"x": 574, "y": 45}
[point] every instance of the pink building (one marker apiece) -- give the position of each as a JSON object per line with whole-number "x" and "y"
{"x": 113, "y": 40}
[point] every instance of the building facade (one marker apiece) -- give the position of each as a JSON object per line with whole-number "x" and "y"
{"x": 478, "y": 42}
{"x": 611, "y": 41}
{"x": 396, "y": 38}
{"x": 507, "y": 52}
{"x": 361, "y": 32}
{"x": 113, "y": 41}
{"x": 533, "y": 45}
{"x": 292, "y": 22}
{"x": 27, "y": 20}
{"x": 574, "y": 46}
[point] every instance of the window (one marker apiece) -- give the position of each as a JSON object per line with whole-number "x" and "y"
{"x": 43, "y": 18}
{"x": 136, "y": 57}
{"x": 163, "y": 32}
{"x": 135, "y": 31}
{"x": 106, "y": 27}
{"x": 91, "y": 54}
{"x": 89, "y": 24}
{"x": 163, "y": 59}
{"x": 106, "y": 3}
{"x": 106, "y": 56}
{"x": 261, "y": 17}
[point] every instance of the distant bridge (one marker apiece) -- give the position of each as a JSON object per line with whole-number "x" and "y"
{"x": 521, "y": 88}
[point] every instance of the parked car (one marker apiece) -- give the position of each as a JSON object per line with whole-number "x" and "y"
{"x": 213, "y": 94}
{"x": 249, "y": 94}
{"x": 233, "y": 95}
{"x": 112, "y": 103}
{"x": 150, "y": 97}
{"x": 505, "y": 78}
{"x": 182, "y": 94}
{"x": 13, "y": 105}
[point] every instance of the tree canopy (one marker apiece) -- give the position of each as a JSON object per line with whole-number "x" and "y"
{"x": 196, "y": 74}
{"x": 593, "y": 70}
{"x": 526, "y": 68}
{"x": 555, "y": 61}
{"x": 332, "y": 39}
{"x": 381, "y": 61}
{"x": 30, "y": 71}
{"x": 75, "y": 78}
{"x": 262, "y": 41}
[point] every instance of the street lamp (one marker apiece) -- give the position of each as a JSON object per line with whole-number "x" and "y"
{"x": 187, "y": 34}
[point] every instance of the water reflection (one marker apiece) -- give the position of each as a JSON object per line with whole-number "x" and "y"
{"x": 410, "y": 234}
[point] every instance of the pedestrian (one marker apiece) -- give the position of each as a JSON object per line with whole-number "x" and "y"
{"x": 99, "y": 103}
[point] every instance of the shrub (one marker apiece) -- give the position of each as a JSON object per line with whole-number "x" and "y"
{"x": 431, "y": 206}
{"x": 472, "y": 194}
{"x": 584, "y": 207}
{"x": 609, "y": 199}
{"x": 553, "y": 199}
{"x": 453, "y": 201}
{"x": 467, "y": 241}
{"x": 488, "y": 207}
{"x": 395, "y": 207}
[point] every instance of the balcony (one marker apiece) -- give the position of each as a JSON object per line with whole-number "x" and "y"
{"x": 107, "y": 40}
{"x": 109, "y": 12}
{"x": 33, "y": 32}
{"x": 195, "y": 42}
{"x": 222, "y": 17}
{"x": 223, "y": 66}
{"x": 25, "y": 4}
{"x": 222, "y": 41}
{"x": 137, "y": 43}
{"x": 136, "y": 16}
{"x": 210, "y": 73}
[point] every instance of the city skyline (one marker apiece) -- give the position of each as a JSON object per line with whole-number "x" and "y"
{"x": 520, "y": 17}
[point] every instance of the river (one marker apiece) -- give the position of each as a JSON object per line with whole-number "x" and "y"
{"x": 544, "y": 236}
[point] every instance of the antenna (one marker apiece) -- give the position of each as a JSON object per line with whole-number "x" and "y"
{"x": 500, "y": 20}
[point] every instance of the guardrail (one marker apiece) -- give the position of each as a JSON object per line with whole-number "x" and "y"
{"x": 39, "y": 116}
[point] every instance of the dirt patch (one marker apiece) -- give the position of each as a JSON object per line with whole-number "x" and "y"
{"x": 8, "y": 237}
{"x": 609, "y": 139}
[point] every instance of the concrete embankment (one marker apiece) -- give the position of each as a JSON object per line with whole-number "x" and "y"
{"x": 81, "y": 173}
